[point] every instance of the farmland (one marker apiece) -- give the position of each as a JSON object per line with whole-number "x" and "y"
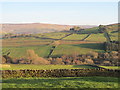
{"x": 77, "y": 49}
{"x": 45, "y": 67}
{"x": 64, "y": 82}
{"x": 75, "y": 37}
{"x": 96, "y": 38}
{"x": 21, "y": 52}
{"x": 41, "y": 45}
{"x": 55, "y": 46}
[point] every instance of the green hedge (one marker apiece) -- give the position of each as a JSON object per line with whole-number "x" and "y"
{"x": 59, "y": 73}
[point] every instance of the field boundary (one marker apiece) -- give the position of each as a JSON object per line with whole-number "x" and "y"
{"x": 59, "y": 73}
{"x": 86, "y": 37}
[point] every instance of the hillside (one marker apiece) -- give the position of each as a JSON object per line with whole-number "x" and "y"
{"x": 36, "y": 28}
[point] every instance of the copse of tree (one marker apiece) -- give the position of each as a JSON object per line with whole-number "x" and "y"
{"x": 102, "y": 29}
{"x": 7, "y": 59}
{"x": 75, "y": 28}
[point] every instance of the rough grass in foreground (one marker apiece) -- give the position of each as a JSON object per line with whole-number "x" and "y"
{"x": 64, "y": 82}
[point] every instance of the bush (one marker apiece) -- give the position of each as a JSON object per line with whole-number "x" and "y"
{"x": 89, "y": 61}
{"x": 8, "y": 59}
{"x": 3, "y": 60}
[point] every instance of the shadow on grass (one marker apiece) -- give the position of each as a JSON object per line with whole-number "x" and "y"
{"x": 99, "y": 46}
{"x": 54, "y": 80}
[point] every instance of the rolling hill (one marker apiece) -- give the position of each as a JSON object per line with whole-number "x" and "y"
{"x": 37, "y": 28}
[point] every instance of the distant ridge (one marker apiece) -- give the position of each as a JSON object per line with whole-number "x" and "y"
{"x": 27, "y": 28}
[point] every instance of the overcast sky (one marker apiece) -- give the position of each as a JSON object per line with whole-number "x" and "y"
{"x": 72, "y": 13}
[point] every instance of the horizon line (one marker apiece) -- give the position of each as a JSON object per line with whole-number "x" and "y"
{"x": 54, "y": 23}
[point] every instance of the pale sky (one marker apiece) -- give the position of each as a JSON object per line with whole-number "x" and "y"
{"x": 72, "y": 13}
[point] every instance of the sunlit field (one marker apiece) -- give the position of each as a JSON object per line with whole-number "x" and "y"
{"x": 63, "y": 82}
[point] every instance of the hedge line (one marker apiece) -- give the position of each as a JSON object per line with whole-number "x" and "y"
{"x": 59, "y": 73}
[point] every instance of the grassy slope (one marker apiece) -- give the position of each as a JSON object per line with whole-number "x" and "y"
{"x": 90, "y": 30}
{"x": 76, "y": 37}
{"x": 114, "y": 36}
{"x": 77, "y": 48}
{"x": 19, "y": 46}
{"x": 43, "y": 50}
{"x": 29, "y": 41}
{"x": 53, "y": 35}
{"x": 96, "y": 38}
{"x": 64, "y": 82}
{"x": 17, "y": 52}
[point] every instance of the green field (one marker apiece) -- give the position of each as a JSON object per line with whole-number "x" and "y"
{"x": 76, "y": 37}
{"x": 26, "y": 41}
{"x": 77, "y": 49}
{"x": 48, "y": 67}
{"x": 21, "y": 52}
{"x": 96, "y": 38}
{"x": 18, "y": 46}
{"x": 114, "y": 36}
{"x": 63, "y": 82}
{"x": 89, "y": 30}
{"x": 53, "y": 35}
{"x": 111, "y": 67}
{"x": 43, "y": 50}
{"x": 45, "y": 67}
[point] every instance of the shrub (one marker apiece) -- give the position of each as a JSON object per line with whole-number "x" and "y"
{"x": 3, "y": 60}
{"x": 8, "y": 59}
{"x": 89, "y": 61}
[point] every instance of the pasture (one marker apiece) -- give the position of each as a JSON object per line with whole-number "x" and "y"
{"x": 44, "y": 67}
{"x": 111, "y": 67}
{"x": 62, "y": 82}
{"x": 26, "y": 41}
{"x": 68, "y": 49}
{"x": 53, "y": 35}
{"x": 96, "y": 38}
{"x": 21, "y": 52}
{"x": 19, "y": 46}
{"x": 114, "y": 36}
{"x": 76, "y": 37}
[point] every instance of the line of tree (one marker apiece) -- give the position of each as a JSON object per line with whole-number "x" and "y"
{"x": 108, "y": 58}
